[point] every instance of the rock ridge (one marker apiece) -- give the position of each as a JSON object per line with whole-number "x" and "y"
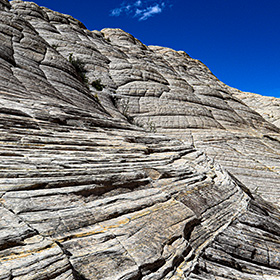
{"x": 121, "y": 161}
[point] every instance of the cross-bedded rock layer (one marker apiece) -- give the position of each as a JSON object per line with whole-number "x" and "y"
{"x": 160, "y": 175}
{"x": 268, "y": 107}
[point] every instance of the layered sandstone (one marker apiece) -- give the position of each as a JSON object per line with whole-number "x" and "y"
{"x": 165, "y": 173}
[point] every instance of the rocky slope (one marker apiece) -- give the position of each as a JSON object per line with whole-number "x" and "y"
{"x": 268, "y": 107}
{"x": 162, "y": 174}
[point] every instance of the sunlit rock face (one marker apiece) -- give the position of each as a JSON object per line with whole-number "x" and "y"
{"x": 121, "y": 161}
{"x": 268, "y": 107}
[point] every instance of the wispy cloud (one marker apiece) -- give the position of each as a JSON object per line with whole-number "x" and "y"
{"x": 138, "y": 3}
{"x": 150, "y": 11}
{"x": 140, "y": 9}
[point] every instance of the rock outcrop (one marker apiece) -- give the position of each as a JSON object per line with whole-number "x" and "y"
{"x": 125, "y": 161}
{"x": 268, "y": 107}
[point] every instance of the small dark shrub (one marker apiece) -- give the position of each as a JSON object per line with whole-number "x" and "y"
{"x": 80, "y": 68}
{"x": 97, "y": 85}
{"x": 54, "y": 46}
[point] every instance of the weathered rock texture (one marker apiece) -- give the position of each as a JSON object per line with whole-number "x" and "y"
{"x": 268, "y": 107}
{"x": 164, "y": 174}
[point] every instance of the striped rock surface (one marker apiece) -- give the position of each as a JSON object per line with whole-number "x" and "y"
{"x": 162, "y": 174}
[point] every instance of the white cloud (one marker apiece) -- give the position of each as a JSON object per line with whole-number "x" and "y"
{"x": 116, "y": 12}
{"x": 141, "y": 9}
{"x": 150, "y": 11}
{"x": 124, "y": 8}
{"x": 138, "y": 12}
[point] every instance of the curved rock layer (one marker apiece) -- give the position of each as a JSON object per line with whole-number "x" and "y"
{"x": 159, "y": 174}
{"x": 268, "y": 107}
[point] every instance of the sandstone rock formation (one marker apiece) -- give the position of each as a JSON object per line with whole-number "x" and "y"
{"x": 268, "y": 107}
{"x": 165, "y": 173}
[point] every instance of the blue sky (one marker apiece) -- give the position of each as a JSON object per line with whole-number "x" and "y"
{"x": 238, "y": 40}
